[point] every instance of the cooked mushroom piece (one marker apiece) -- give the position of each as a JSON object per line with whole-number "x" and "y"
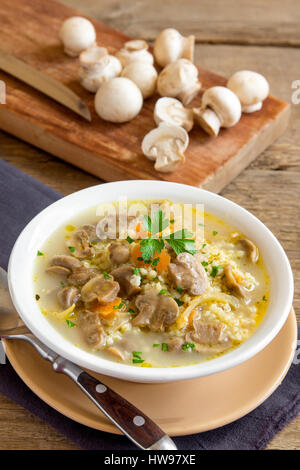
{"x": 232, "y": 284}
{"x": 125, "y": 276}
{"x": 172, "y": 112}
{"x": 118, "y": 100}
{"x": 90, "y": 325}
{"x": 143, "y": 75}
{"x": 90, "y": 229}
{"x": 188, "y": 273}
{"x": 119, "y": 253}
{"x": 97, "y": 67}
{"x": 155, "y": 311}
{"x": 179, "y": 80}
{"x": 82, "y": 275}
{"x": 80, "y": 245}
{"x": 251, "y": 249}
{"x": 175, "y": 344}
{"x": 68, "y": 296}
{"x": 251, "y": 88}
{"x": 77, "y": 34}
{"x": 66, "y": 261}
{"x": 101, "y": 289}
{"x": 166, "y": 145}
{"x": 220, "y": 108}
{"x": 133, "y": 51}
{"x": 59, "y": 270}
{"x": 170, "y": 45}
{"x": 208, "y": 337}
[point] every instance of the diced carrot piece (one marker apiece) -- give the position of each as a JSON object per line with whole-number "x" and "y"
{"x": 164, "y": 259}
{"x": 108, "y": 309}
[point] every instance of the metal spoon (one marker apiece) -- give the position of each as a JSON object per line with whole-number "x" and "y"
{"x": 132, "y": 422}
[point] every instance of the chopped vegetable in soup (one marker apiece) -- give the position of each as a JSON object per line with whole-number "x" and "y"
{"x": 140, "y": 291}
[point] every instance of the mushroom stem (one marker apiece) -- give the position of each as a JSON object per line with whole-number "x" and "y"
{"x": 208, "y": 120}
{"x": 189, "y": 93}
{"x": 188, "y": 48}
{"x": 252, "y": 108}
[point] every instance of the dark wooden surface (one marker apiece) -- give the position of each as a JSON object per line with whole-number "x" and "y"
{"x": 259, "y": 35}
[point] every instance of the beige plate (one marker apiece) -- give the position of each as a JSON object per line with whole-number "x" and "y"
{"x": 177, "y": 407}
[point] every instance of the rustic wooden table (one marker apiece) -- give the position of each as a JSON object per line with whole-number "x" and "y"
{"x": 259, "y": 35}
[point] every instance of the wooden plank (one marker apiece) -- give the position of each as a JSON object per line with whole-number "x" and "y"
{"x": 106, "y": 150}
{"x": 261, "y": 22}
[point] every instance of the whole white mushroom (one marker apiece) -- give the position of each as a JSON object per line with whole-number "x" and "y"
{"x": 96, "y": 67}
{"x": 118, "y": 100}
{"x": 170, "y": 45}
{"x": 143, "y": 75}
{"x": 77, "y": 34}
{"x": 251, "y": 88}
{"x": 133, "y": 51}
{"x": 179, "y": 80}
{"x": 220, "y": 107}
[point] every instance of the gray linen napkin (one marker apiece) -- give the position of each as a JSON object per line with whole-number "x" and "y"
{"x": 22, "y": 197}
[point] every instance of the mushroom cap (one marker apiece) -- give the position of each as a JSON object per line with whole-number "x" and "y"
{"x": 168, "y": 46}
{"x": 172, "y": 111}
{"x": 176, "y": 77}
{"x": 250, "y": 87}
{"x": 94, "y": 75}
{"x": 224, "y": 103}
{"x": 77, "y": 34}
{"x": 133, "y": 51}
{"x": 143, "y": 75}
{"x": 118, "y": 100}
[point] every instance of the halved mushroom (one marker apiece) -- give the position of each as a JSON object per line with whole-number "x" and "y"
{"x": 155, "y": 311}
{"x": 65, "y": 261}
{"x": 220, "y": 108}
{"x": 124, "y": 276}
{"x": 100, "y": 289}
{"x": 80, "y": 245}
{"x": 251, "y": 249}
{"x": 172, "y": 112}
{"x": 97, "y": 67}
{"x": 179, "y": 80}
{"x": 251, "y": 88}
{"x": 188, "y": 273}
{"x": 68, "y": 296}
{"x": 232, "y": 284}
{"x": 135, "y": 50}
{"x": 170, "y": 45}
{"x": 90, "y": 325}
{"x": 119, "y": 253}
{"x": 166, "y": 145}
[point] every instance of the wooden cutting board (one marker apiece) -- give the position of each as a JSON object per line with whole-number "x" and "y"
{"x": 29, "y": 30}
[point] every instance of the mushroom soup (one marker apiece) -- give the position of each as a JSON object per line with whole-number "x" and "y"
{"x": 153, "y": 289}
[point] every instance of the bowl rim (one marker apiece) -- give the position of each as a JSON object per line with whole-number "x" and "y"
{"x": 127, "y": 372}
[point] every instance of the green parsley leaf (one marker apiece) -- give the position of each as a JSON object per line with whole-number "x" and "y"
{"x": 150, "y": 247}
{"x": 264, "y": 298}
{"x": 181, "y": 241}
{"x": 132, "y": 312}
{"x": 215, "y": 270}
{"x": 70, "y": 323}
{"x": 155, "y": 345}
{"x": 157, "y": 224}
{"x": 155, "y": 261}
{"x": 187, "y": 346}
{"x": 136, "y": 270}
{"x": 137, "y": 361}
{"x": 179, "y": 302}
{"x": 71, "y": 248}
{"x": 179, "y": 289}
{"x": 62, "y": 284}
{"x": 204, "y": 263}
{"x": 106, "y": 275}
{"x": 129, "y": 239}
{"x": 172, "y": 221}
{"x": 117, "y": 307}
{"x": 164, "y": 347}
{"x": 137, "y": 357}
{"x": 163, "y": 291}
{"x": 215, "y": 233}
{"x": 136, "y": 354}
{"x": 39, "y": 253}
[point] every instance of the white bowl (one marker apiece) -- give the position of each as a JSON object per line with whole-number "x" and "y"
{"x": 21, "y": 264}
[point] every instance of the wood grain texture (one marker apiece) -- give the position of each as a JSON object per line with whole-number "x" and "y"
{"x": 269, "y": 187}
{"x": 108, "y": 150}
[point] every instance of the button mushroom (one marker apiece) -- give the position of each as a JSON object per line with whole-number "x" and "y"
{"x": 66, "y": 261}
{"x": 133, "y": 51}
{"x": 232, "y": 284}
{"x": 101, "y": 289}
{"x": 77, "y": 34}
{"x": 251, "y": 249}
{"x": 97, "y": 67}
{"x": 172, "y": 112}
{"x": 179, "y": 80}
{"x": 118, "y": 100}
{"x": 188, "y": 273}
{"x": 220, "y": 108}
{"x": 90, "y": 325}
{"x": 251, "y": 88}
{"x": 80, "y": 245}
{"x": 209, "y": 337}
{"x": 170, "y": 45}
{"x": 68, "y": 296}
{"x": 119, "y": 253}
{"x": 155, "y": 311}
{"x": 124, "y": 276}
{"x": 166, "y": 145}
{"x": 143, "y": 75}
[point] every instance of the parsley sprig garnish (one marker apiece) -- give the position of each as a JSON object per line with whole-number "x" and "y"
{"x": 180, "y": 241}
